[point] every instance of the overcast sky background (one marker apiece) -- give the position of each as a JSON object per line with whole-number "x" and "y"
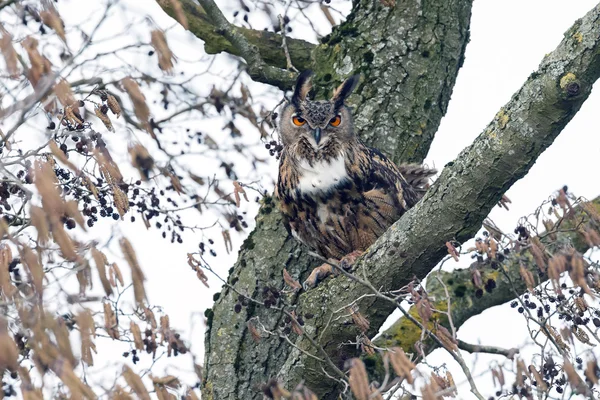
{"x": 508, "y": 40}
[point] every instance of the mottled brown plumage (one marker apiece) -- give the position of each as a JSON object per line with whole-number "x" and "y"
{"x": 337, "y": 194}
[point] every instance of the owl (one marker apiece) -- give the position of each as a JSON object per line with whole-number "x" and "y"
{"x": 337, "y": 194}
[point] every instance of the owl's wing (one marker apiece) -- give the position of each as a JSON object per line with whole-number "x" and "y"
{"x": 417, "y": 176}
{"x": 385, "y": 194}
{"x": 386, "y": 181}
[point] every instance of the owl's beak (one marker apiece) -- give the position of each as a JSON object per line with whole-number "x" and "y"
{"x": 317, "y": 135}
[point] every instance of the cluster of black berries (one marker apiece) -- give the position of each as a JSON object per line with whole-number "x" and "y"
{"x": 550, "y": 372}
{"x": 8, "y": 190}
{"x": 522, "y": 232}
{"x": 270, "y": 296}
{"x": 274, "y": 148}
{"x": 242, "y": 302}
{"x": 9, "y": 389}
{"x": 147, "y": 202}
{"x": 286, "y": 325}
{"x": 202, "y": 247}
{"x": 13, "y": 268}
{"x": 236, "y": 221}
{"x": 134, "y": 356}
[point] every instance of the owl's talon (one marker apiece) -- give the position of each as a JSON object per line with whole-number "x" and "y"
{"x": 317, "y": 275}
{"x": 348, "y": 260}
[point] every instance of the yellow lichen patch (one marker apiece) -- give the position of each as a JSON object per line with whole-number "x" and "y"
{"x": 578, "y": 37}
{"x": 502, "y": 118}
{"x": 422, "y": 126}
{"x": 566, "y": 79}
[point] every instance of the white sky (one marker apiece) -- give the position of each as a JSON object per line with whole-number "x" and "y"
{"x": 508, "y": 40}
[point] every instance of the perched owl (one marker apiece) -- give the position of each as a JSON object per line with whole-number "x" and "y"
{"x": 337, "y": 194}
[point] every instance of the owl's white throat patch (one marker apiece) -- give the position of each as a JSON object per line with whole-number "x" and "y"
{"x": 322, "y": 175}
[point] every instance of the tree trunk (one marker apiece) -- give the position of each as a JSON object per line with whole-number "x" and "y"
{"x": 409, "y": 55}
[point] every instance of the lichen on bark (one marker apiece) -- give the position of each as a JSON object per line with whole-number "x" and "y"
{"x": 233, "y": 376}
{"x": 409, "y": 56}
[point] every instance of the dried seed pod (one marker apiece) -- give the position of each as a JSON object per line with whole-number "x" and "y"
{"x": 137, "y": 276}
{"x": 359, "y": 320}
{"x": 291, "y": 282}
{"x": 110, "y": 322}
{"x": 113, "y": 105}
{"x": 104, "y": 118}
{"x": 135, "y": 383}
{"x": 359, "y": 381}
{"x": 137, "y": 336}
{"x": 8, "y": 52}
{"x": 401, "y": 364}
{"x": 166, "y": 58}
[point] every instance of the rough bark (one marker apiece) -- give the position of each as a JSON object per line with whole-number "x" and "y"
{"x": 454, "y": 208}
{"x": 409, "y": 56}
{"x": 411, "y": 40}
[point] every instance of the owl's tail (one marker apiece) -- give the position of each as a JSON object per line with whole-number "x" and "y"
{"x": 417, "y": 176}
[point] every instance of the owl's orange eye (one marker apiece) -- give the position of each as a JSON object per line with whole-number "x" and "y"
{"x": 335, "y": 121}
{"x": 298, "y": 121}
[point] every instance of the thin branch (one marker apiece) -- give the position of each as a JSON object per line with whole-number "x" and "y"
{"x": 477, "y": 348}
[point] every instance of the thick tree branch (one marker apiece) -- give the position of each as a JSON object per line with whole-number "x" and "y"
{"x": 235, "y": 364}
{"x": 464, "y": 301}
{"x": 415, "y": 64}
{"x": 456, "y": 205}
{"x": 257, "y": 68}
{"x": 266, "y": 45}
{"x": 409, "y": 56}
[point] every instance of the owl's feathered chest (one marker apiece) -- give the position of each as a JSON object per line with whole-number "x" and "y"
{"x": 343, "y": 201}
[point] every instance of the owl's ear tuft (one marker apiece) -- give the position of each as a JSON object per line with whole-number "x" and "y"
{"x": 344, "y": 90}
{"x": 303, "y": 86}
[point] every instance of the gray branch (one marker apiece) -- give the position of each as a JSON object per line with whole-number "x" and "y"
{"x": 419, "y": 48}
{"x": 456, "y": 205}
